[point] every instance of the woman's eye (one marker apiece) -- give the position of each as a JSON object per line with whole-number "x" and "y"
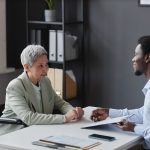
{"x": 42, "y": 66}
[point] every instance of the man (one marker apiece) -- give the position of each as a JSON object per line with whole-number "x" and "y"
{"x": 139, "y": 122}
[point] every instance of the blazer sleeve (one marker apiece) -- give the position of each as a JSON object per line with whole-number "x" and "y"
{"x": 16, "y": 101}
{"x": 59, "y": 103}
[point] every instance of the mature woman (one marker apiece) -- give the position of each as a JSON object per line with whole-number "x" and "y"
{"x": 31, "y": 98}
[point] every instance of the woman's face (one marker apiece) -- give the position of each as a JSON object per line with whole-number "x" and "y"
{"x": 38, "y": 70}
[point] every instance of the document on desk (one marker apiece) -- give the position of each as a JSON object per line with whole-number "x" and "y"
{"x": 104, "y": 122}
{"x": 88, "y": 112}
{"x": 71, "y": 142}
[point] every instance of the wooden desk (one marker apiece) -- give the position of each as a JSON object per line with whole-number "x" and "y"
{"x": 22, "y": 139}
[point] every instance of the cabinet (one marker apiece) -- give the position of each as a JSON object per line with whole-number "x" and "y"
{"x": 69, "y": 21}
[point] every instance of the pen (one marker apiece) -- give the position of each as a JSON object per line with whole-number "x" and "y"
{"x": 130, "y": 116}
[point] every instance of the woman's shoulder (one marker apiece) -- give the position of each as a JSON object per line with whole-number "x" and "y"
{"x": 15, "y": 83}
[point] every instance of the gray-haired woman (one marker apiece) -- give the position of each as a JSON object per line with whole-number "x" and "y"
{"x": 31, "y": 98}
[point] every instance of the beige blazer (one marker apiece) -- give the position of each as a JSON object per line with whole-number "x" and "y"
{"x": 21, "y": 103}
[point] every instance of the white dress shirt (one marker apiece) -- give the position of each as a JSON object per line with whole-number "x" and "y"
{"x": 141, "y": 116}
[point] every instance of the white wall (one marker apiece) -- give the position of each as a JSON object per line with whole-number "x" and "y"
{"x": 3, "y": 67}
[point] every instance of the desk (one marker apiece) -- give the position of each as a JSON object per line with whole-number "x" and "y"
{"x": 21, "y": 139}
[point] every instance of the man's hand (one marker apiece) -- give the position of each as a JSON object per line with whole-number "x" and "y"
{"x": 126, "y": 125}
{"x": 100, "y": 114}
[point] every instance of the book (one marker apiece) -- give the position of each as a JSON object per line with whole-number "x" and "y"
{"x": 71, "y": 142}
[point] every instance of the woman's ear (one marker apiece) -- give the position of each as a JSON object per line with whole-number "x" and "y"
{"x": 26, "y": 67}
{"x": 147, "y": 58}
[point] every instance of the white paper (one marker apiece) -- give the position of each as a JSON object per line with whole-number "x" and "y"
{"x": 88, "y": 112}
{"x": 107, "y": 121}
{"x": 87, "y": 115}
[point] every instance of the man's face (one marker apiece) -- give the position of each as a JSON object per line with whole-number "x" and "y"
{"x": 139, "y": 64}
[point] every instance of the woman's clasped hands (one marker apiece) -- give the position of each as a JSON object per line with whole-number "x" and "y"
{"x": 74, "y": 114}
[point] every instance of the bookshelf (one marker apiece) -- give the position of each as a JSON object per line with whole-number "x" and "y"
{"x": 69, "y": 24}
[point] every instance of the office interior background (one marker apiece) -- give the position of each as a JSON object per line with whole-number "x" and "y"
{"x": 112, "y": 28}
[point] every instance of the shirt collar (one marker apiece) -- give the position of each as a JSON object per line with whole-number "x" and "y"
{"x": 36, "y": 87}
{"x": 146, "y": 87}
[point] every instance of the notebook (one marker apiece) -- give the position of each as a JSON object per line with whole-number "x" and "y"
{"x": 69, "y": 141}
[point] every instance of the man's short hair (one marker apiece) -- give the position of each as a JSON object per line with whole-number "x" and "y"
{"x": 145, "y": 44}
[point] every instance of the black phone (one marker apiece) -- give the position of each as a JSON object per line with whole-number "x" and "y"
{"x": 104, "y": 137}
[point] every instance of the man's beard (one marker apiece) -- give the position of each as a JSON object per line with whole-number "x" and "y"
{"x": 138, "y": 73}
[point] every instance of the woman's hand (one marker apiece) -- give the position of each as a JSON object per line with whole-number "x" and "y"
{"x": 100, "y": 114}
{"x": 74, "y": 114}
{"x": 80, "y": 112}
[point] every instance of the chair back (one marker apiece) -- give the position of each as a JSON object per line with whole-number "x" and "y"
{"x": 1, "y": 108}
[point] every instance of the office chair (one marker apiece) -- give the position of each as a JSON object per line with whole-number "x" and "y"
{"x": 4, "y": 120}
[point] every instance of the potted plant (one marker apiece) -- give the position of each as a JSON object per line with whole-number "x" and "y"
{"x": 50, "y": 13}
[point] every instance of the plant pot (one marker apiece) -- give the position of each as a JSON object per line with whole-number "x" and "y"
{"x": 50, "y": 15}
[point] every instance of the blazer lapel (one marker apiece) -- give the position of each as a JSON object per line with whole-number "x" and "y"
{"x": 45, "y": 98}
{"x": 29, "y": 88}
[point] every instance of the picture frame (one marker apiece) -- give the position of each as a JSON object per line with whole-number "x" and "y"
{"x": 144, "y": 2}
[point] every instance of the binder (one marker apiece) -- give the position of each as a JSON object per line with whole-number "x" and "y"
{"x": 60, "y": 46}
{"x": 56, "y": 78}
{"x": 59, "y": 82}
{"x": 71, "y": 85}
{"x": 33, "y": 36}
{"x": 52, "y": 45}
{"x": 51, "y": 76}
{"x": 38, "y": 37}
{"x": 71, "y": 50}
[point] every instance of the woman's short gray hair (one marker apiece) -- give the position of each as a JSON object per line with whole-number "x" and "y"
{"x": 30, "y": 54}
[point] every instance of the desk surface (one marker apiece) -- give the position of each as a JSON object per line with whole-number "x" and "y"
{"x": 22, "y": 139}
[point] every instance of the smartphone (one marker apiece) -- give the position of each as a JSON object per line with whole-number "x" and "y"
{"x": 103, "y": 137}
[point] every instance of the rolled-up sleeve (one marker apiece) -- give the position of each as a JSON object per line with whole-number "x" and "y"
{"x": 136, "y": 118}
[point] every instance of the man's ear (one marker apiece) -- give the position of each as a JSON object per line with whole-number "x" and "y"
{"x": 147, "y": 58}
{"x": 26, "y": 67}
